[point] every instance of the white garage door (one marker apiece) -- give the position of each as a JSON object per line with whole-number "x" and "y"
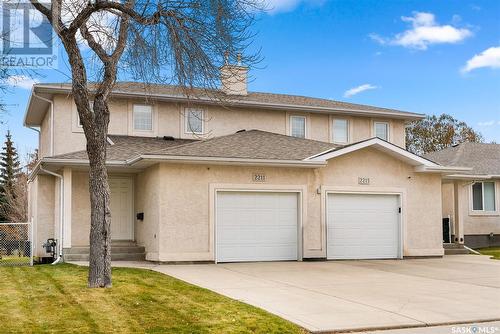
{"x": 256, "y": 226}
{"x": 362, "y": 226}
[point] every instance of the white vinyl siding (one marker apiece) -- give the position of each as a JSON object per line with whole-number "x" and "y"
{"x": 193, "y": 120}
{"x": 256, "y": 226}
{"x": 143, "y": 117}
{"x": 298, "y": 126}
{"x": 381, "y": 130}
{"x": 340, "y": 131}
{"x": 483, "y": 196}
{"x": 363, "y": 226}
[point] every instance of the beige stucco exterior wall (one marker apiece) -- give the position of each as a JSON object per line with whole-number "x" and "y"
{"x": 42, "y": 209}
{"x": 177, "y": 201}
{"x": 473, "y": 222}
{"x": 186, "y": 194}
{"x": 44, "y": 136}
{"x": 147, "y": 200}
{"x": 80, "y": 209}
{"x": 421, "y": 194}
{"x": 168, "y": 120}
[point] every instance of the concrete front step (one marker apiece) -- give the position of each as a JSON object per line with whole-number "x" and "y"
{"x": 114, "y": 249}
{"x": 114, "y": 257}
{"x": 120, "y": 250}
{"x": 455, "y": 249}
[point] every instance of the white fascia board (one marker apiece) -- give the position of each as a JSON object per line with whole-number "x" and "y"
{"x": 191, "y": 160}
{"x": 229, "y": 161}
{"x": 441, "y": 169}
{"x": 470, "y": 177}
{"x": 378, "y": 144}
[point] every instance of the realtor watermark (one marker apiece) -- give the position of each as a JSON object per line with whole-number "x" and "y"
{"x": 28, "y": 40}
{"x": 475, "y": 329}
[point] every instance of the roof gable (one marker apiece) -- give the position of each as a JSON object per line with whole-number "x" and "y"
{"x": 380, "y": 145}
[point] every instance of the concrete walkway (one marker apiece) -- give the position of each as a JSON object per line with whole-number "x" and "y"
{"x": 357, "y": 295}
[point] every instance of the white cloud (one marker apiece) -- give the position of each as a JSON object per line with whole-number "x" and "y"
{"x": 356, "y": 90}
{"x": 21, "y": 81}
{"x": 487, "y": 123}
{"x": 424, "y": 31}
{"x": 488, "y": 58}
{"x": 275, "y": 6}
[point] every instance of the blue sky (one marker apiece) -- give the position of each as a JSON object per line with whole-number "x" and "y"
{"x": 422, "y": 56}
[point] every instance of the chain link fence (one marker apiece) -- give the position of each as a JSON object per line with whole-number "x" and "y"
{"x": 16, "y": 246}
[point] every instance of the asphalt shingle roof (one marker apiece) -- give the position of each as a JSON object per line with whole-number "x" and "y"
{"x": 252, "y": 97}
{"x": 126, "y": 147}
{"x": 484, "y": 159}
{"x": 252, "y": 144}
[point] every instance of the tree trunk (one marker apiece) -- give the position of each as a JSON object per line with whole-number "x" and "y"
{"x": 100, "y": 227}
{"x": 100, "y": 236}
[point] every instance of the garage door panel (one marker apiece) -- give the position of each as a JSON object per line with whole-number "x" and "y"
{"x": 256, "y": 226}
{"x": 362, "y": 226}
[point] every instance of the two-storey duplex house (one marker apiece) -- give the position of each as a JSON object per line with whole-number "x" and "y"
{"x": 262, "y": 177}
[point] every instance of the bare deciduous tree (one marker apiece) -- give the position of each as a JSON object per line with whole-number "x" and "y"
{"x": 163, "y": 41}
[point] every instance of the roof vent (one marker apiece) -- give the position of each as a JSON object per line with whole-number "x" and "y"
{"x": 242, "y": 130}
{"x": 168, "y": 138}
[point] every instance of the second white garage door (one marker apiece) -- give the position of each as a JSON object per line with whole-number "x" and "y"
{"x": 256, "y": 226}
{"x": 363, "y": 226}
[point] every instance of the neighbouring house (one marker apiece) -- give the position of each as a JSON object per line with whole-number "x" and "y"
{"x": 263, "y": 177}
{"x": 471, "y": 202}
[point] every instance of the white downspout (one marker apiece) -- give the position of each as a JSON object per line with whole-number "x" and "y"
{"x": 51, "y": 121}
{"x": 61, "y": 214}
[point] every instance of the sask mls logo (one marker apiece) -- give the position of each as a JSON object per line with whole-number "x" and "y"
{"x": 27, "y": 37}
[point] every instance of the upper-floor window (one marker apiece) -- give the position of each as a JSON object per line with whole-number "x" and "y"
{"x": 193, "y": 120}
{"x": 143, "y": 117}
{"x": 340, "y": 131}
{"x": 298, "y": 126}
{"x": 381, "y": 130}
{"x": 483, "y": 196}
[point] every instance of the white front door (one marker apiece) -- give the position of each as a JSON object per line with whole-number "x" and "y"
{"x": 363, "y": 226}
{"x": 122, "y": 208}
{"x": 256, "y": 226}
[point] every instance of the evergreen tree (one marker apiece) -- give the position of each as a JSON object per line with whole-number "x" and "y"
{"x": 10, "y": 171}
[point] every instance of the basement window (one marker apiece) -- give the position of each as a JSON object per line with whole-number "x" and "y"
{"x": 483, "y": 196}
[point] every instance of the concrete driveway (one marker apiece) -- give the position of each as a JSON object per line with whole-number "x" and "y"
{"x": 358, "y": 295}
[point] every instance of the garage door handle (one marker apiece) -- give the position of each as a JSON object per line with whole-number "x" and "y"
{"x": 399, "y": 210}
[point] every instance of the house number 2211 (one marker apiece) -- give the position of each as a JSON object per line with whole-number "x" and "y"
{"x": 259, "y": 177}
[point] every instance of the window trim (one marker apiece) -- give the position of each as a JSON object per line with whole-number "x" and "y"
{"x": 186, "y": 117}
{"x": 348, "y": 129}
{"x": 483, "y": 212}
{"x": 133, "y": 117}
{"x": 290, "y": 125}
{"x": 388, "y": 124}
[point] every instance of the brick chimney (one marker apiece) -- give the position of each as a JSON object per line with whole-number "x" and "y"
{"x": 234, "y": 77}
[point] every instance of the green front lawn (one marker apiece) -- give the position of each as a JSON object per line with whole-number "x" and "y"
{"x": 54, "y": 299}
{"x": 492, "y": 251}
